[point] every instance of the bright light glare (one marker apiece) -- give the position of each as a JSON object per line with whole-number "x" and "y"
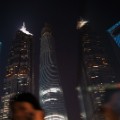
{"x": 51, "y": 90}
{"x": 23, "y": 29}
{"x": 95, "y": 66}
{"x": 83, "y": 115}
{"x": 50, "y": 99}
{"x": 81, "y": 23}
{"x": 55, "y": 117}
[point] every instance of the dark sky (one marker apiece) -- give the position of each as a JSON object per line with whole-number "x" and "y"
{"x": 62, "y": 15}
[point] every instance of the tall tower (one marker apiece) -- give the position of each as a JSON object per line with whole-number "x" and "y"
{"x": 1, "y": 83}
{"x": 96, "y": 73}
{"x": 51, "y": 93}
{"x": 19, "y": 71}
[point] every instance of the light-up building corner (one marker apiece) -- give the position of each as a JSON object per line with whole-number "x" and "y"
{"x": 114, "y": 31}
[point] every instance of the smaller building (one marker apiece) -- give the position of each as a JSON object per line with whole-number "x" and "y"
{"x": 115, "y": 33}
{"x": 114, "y": 39}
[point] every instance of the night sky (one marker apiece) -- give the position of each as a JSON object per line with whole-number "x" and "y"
{"x": 62, "y": 15}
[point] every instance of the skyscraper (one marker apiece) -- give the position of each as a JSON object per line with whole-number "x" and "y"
{"x": 51, "y": 93}
{"x": 115, "y": 33}
{"x": 1, "y": 83}
{"x": 19, "y": 71}
{"x": 96, "y": 73}
{"x": 114, "y": 39}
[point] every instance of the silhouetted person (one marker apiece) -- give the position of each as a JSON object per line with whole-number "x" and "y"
{"x": 25, "y": 106}
{"x": 111, "y": 106}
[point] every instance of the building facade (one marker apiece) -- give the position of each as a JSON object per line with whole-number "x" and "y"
{"x": 19, "y": 70}
{"x": 51, "y": 93}
{"x": 114, "y": 39}
{"x": 96, "y": 73}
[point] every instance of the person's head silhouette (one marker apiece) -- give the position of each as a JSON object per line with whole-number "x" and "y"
{"x": 25, "y": 106}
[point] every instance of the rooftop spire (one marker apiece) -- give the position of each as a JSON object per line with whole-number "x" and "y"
{"x": 24, "y": 30}
{"x": 81, "y": 23}
{"x": 47, "y": 28}
{"x": 24, "y": 25}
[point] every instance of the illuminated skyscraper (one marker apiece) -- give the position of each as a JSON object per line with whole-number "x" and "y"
{"x": 115, "y": 33}
{"x": 19, "y": 71}
{"x": 114, "y": 39}
{"x": 96, "y": 73}
{"x": 51, "y": 93}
